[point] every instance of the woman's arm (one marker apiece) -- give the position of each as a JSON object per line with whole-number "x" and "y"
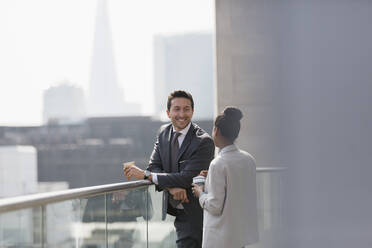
{"x": 214, "y": 200}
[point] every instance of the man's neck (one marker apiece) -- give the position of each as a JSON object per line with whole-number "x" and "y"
{"x": 181, "y": 130}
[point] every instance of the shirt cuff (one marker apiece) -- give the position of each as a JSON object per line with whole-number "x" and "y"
{"x": 154, "y": 178}
{"x": 202, "y": 199}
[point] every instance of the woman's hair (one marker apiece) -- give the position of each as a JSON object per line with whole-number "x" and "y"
{"x": 228, "y": 123}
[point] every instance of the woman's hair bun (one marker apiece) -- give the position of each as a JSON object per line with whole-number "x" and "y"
{"x": 233, "y": 113}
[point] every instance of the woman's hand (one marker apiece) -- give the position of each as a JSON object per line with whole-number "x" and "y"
{"x": 203, "y": 173}
{"x": 197, "y": 190}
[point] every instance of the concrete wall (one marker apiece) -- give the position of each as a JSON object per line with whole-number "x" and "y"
{"x": 248, "y": 64}
{"x": 301, "y": 73}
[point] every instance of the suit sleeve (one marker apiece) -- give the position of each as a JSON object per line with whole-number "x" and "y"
{"x": 199, "y": 160}
{"x": 214, "y": 200}
{"x": 155, "y": 164}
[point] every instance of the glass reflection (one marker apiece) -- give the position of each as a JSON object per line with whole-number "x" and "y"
{"x": 127, "y": 215}
{"x": 270, "y": 206}
{"x": 21, "y": 228}
{"x": 93, "y": 222}
{"x": 161, "y": 234}
{"x": 61, "y": 228}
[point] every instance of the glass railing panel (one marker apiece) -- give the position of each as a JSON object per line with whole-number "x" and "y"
{"x": 92, "y": 224}
{"x": 161, "y": 234}
{"x": 61, "y": 228}
{"x": 127, "y": 216}
{"x": 270, "y": 209}
{"x": 22, "y": 228}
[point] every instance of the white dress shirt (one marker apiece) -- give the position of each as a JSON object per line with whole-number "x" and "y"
{"x": 180, "y": 140}
{"x": 181, "y": 137}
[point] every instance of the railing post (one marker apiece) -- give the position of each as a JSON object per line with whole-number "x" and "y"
{"x": 106, "y": 232}
{"x": 43, "y": 227}
{"x": 147, "y": 217}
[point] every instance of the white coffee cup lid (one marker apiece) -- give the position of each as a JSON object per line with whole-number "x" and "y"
{"x": 198, "y": 179}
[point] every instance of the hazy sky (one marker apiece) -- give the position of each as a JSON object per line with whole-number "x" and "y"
{"x": 45, "y": 42}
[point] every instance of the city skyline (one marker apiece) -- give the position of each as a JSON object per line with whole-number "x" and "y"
{"x": 41, "y": 48}
{"x": 185, "y": 62}
{"x": 105, "y": 96}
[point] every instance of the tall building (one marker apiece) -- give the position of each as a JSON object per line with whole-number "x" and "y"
{"x": 18, "y": 170}
{"x": 105, "y": 96}
{"x": 63, "y": 104}
{"x": 18, "y": 176}
{"x": 184, "y": 62}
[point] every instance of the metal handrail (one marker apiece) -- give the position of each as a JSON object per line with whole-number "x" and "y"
{"x": 271, "y": 169}
{"x": 41, "y": 199}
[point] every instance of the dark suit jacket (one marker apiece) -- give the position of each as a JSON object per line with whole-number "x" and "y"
{"x": 196, "y": 153}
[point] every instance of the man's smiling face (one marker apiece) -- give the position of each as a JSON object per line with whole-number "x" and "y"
{"x": 180, "y": 112}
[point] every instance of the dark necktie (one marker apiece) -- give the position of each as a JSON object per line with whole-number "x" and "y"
{"x": 174, "y": 154}
{"x": 174, "y": 151}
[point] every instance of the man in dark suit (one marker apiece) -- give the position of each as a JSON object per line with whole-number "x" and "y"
{"x": 181, "y": 151}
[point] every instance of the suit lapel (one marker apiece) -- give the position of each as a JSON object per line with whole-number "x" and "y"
{"x": 186, "y": 142}
{"x": 167, "y": 165}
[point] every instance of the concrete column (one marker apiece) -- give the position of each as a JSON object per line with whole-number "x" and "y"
{"x": 249, "y": 36}
{"x": 301, "y": 73}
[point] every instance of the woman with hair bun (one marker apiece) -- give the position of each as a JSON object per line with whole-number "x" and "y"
{"x": 229, "y": 196}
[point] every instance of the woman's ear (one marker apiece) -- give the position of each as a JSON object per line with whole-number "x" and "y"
{"x": 217, "y": 132}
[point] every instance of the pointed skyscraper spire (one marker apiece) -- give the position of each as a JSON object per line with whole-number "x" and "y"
{"x": 105, "y": 96}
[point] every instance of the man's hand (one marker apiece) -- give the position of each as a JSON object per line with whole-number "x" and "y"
{"x": 203, "y": 173}
{"x": 197, "y": 190}
{"x": 179, "y": 194}
{"x": 134, "y": 171}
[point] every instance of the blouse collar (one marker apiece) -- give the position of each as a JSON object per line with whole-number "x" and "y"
{"x": 228, "y": 148}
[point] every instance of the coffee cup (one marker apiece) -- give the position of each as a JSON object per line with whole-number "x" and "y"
{"x": 199, "y": 180}
{"x": 128, "y": 164}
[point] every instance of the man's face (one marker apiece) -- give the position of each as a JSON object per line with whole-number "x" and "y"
{"x": 180, "y": 112}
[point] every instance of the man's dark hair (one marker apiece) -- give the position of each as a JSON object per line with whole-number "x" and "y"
{"x": 179, "y": 93}
{"x": 228, "y": 123}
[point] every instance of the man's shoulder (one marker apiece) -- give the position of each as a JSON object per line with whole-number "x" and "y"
{"x": 199, "y": 132}
{"x": 164, "y": 128}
